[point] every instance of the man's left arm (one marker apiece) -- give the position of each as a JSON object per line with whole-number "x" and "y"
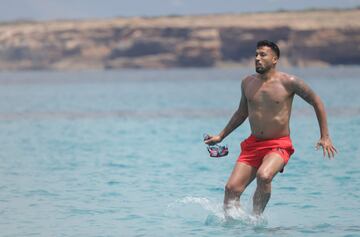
{"x": 301, "y": 89}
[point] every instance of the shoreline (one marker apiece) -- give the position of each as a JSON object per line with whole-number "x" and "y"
{"x": 306, "y": 38}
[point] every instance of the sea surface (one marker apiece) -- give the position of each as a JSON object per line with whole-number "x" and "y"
{"x": 120, "y": 153}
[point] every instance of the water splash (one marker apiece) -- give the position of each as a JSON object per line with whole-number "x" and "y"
{"x": 234, "y": 216}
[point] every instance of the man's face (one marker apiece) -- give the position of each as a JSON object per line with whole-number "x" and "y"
{"x": 265, "y": 59}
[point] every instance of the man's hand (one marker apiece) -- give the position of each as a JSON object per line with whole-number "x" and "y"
{"x": 327, "y": 146}
{"x": 212, "y": 140}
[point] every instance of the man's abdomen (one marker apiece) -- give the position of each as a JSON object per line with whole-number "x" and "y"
{"x": 269, "y": 126}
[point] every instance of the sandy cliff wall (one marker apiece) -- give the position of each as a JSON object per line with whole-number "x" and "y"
{"x": 305, "y": 38}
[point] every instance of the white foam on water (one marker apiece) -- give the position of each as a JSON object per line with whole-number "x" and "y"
{"x": 217, "y": 216}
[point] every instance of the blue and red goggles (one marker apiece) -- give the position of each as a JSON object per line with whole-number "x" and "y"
{"x": 216, "y": 151}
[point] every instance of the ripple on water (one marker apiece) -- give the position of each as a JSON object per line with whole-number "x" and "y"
{"x": 41, "y": 192}
{"x": 118, "y": 165}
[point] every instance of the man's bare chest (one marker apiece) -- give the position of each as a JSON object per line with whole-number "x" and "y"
{"x": 266, "y": 94}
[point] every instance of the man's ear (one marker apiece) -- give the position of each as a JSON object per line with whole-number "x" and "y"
{"x": 275, "y": 60}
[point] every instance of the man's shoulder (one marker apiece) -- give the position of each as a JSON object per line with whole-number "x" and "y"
{"x": 249, "y": 78}
{"x": 289, "y": 81}
{"x": 286, "y": 78}
{"x": 246, "y": 81}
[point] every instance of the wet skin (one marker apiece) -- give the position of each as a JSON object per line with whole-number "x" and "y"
{"x": 266, "y": 100}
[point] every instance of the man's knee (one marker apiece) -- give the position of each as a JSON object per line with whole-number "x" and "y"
{"x": 264, "y": 176}
{"x": 232, "y": 188}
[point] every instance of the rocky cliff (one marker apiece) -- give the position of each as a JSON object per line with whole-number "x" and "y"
{"x": 305, "y": 38}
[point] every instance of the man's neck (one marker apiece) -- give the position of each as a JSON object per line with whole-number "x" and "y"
{"x": 267, "y": 75}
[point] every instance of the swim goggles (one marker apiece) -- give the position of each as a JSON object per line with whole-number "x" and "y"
{"x": 216, "y": 151}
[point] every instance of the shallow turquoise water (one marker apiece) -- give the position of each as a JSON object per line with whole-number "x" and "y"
{"x": 120, "y": 153}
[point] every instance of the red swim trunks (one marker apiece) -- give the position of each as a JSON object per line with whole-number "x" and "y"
{"x": 253, "y": 150}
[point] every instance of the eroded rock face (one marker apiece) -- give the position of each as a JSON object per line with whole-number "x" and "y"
{"x": 239, "y": 44}
{"x": 203, "y": 41}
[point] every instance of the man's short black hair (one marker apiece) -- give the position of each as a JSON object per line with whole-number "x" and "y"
{"x": 269, "y": 44}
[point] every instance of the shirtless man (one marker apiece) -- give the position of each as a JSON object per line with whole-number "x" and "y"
{"x": 266, "y": 99}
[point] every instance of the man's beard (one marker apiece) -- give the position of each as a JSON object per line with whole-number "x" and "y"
{"x": 261, "y": 70}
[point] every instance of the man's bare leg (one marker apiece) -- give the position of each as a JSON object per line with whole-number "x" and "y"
{"x": 241, "y": 176}
{"x": 272, "y": 164}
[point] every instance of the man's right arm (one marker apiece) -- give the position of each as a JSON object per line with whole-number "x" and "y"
{"x": 236, "y": 120}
